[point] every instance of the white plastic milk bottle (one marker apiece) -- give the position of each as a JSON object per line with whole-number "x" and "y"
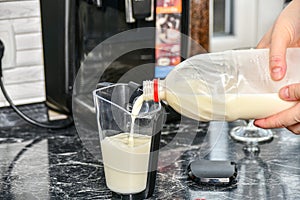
{"x": 226, "y": 86}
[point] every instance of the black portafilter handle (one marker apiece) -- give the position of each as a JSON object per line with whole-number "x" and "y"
{"x": 1, "y": 56}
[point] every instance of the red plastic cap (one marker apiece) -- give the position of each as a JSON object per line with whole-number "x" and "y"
{"x": 155, "y": 87}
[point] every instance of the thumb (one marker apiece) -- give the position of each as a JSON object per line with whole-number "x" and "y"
{"x": 277, "y": 60}
{"x": 290, "y": 92}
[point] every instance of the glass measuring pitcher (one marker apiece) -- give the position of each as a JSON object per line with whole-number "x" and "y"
{"x": 129, "y": 143}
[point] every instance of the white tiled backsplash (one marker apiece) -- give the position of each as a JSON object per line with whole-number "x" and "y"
{"x": 23, "y": 70}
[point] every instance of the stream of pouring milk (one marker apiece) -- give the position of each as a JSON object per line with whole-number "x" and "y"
{"x": 134, "y": 113}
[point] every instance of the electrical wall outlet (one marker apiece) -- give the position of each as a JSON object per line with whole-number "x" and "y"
{"x": 8, "y": 39}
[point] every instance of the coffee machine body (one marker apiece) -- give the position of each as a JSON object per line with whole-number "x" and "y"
{"x": 73, "y": 28}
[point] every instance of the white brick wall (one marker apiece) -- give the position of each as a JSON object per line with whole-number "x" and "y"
{"x": 23, "y": 71}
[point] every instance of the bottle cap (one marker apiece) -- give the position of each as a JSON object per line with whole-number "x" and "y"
{"x": 155, "y": 90}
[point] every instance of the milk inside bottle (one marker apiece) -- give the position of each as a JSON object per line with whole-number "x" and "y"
{"x": 226, "y": 86}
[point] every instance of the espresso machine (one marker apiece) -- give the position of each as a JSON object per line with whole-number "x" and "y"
{"x": 72, "y": 28}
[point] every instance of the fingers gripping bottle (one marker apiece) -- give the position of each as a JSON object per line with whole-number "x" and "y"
{"x": 226, "y": 86}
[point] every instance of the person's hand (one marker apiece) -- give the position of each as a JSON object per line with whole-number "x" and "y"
{"x": 289, "y": 118}
{"x": 284, "y": 33}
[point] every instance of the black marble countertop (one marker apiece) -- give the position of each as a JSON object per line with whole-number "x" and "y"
{"x": 38, "y": 163}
